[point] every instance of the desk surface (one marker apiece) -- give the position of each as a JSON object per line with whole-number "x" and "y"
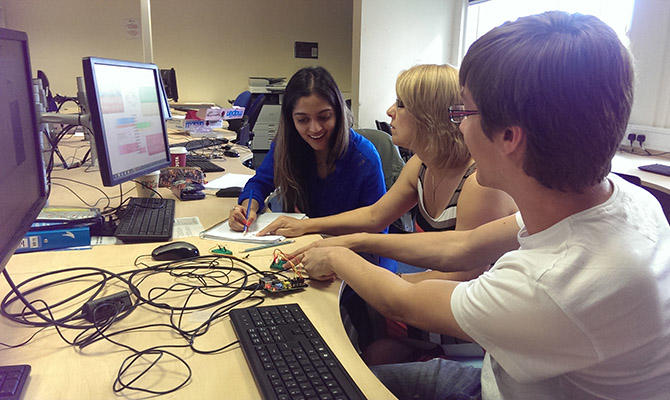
{"x": 628, "y": 163}
{"x": 62, "y": 371}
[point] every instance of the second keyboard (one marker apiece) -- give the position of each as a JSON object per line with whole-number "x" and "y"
{"x": 146, "y": 220}
{"x": 288, "y": 357}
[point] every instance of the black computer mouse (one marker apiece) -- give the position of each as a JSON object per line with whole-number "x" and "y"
{"x": 229, "y": 192}
{"x": 231, "y": 153}
{"x": 174, "y": 251}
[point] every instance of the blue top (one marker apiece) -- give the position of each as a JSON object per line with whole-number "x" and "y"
{"x": 357, "y": 180}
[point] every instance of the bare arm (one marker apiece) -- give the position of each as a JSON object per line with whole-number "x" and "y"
{"x": 477, "y": 205}
{"x": 444, "y": 251}
{"x": 373, "y": 218}
{"x": 399, "y": 300}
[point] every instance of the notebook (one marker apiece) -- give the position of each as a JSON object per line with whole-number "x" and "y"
{"x": 222, "y": 231}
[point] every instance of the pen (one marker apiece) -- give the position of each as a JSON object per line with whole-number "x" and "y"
{"x": 265, "y": 246}
{"x": 246, "y": 225}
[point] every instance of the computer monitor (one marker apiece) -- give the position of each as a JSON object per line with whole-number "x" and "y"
{"x": 22, "y": 182}
{"x": 170, "y": 83}
{"x": 127, "y": 118}
{"x": 165, "y": 105}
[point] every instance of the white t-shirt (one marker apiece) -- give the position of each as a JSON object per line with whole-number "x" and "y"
{"x": 581, "y": 309}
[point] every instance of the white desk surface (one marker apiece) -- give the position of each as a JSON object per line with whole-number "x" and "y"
{"x": 627, "y": 163}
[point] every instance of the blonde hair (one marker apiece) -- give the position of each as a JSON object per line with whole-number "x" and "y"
{"x": 427, "y": 91}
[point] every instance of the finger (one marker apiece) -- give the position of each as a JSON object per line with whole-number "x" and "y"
{"x": 301, "y": 269}
{"x": 299, "y": 252}
{"x": 251, "y": 217}
{"x": 297, "y": 260}
{"x": 269, "y": 229}
{"x": 286, "y": 232}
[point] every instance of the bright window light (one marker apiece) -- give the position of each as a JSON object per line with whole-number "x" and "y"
{"x": 484, "y": 16}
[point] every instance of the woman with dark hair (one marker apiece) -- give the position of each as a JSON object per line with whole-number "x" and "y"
{"x": 319, "y": 164}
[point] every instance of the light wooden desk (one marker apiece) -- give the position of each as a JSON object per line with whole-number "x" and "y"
{"x": 61, "y": 371}
{"x": 628, "y": 163}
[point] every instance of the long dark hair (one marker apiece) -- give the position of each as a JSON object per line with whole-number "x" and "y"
{"x": 294, "y": 158}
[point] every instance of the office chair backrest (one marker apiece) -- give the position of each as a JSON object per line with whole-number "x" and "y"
{"x": 406, "y": 154}
{"x": 242, "y": 99}
{"x": 392, "y": 164}
{"x": 254, "y": 109}
{"x": 383, "y": 126}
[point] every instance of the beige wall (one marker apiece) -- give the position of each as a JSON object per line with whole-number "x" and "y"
{"x": 61, "y": 32}
{"x": 214, "y": 45}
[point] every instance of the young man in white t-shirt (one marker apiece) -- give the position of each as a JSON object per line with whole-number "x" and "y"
{"x": 577, "y": 304}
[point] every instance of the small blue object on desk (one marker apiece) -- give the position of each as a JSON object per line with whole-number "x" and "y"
{"x": 40, "y": 237}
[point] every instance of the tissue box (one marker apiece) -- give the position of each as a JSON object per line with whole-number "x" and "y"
{"x": 209, "y": 113}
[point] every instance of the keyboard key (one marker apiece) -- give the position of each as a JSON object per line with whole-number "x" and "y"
{"x": 12, "y": 381}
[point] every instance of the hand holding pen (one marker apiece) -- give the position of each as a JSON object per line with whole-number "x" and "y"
{"x": 241, "y": 217}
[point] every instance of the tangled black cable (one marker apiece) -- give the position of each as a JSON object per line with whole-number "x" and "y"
{"x": 221, "y": 280}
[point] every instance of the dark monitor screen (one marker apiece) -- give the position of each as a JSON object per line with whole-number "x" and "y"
{"x": 22, "y": 184}
{"x": 127, "y": 118}
{"x": 170, "y": 83}
{"x": 167, "y": 114}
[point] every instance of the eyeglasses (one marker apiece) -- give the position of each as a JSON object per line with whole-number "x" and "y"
{"x": 457, "y": 113}
{"x": 399, "y": 103}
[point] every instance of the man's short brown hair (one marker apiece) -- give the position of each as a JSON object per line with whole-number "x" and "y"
{"x": 567, "y": 80}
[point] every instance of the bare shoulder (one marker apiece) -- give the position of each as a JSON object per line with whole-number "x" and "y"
{"x": 410, "y": 171}
{"x": 479, "y": 204}
{"x": 473, "y": 190}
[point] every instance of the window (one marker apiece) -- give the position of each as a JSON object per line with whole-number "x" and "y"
{"x": 485, "y": 15}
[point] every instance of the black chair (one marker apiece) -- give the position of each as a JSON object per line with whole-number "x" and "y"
{"x": 662, "y": 197}
{"x": 254, "y": 110}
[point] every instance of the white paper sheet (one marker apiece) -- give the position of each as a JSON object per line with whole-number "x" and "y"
{"x": 222, "y": 230}
{"x": 228, "y": 180}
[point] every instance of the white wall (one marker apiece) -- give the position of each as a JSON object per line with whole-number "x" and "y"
{"x": 214, "y": 45}
{"x": 391, "y": 36}
{"x": 650, "y": 45}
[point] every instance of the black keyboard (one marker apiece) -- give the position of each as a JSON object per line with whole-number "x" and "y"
{"x": 12, "y": 379}
{"x": 288, "y": 357}
{"x": 202, "y": 162}
{"x": 146, "y": 220}
{"x": 196, "y": 144}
